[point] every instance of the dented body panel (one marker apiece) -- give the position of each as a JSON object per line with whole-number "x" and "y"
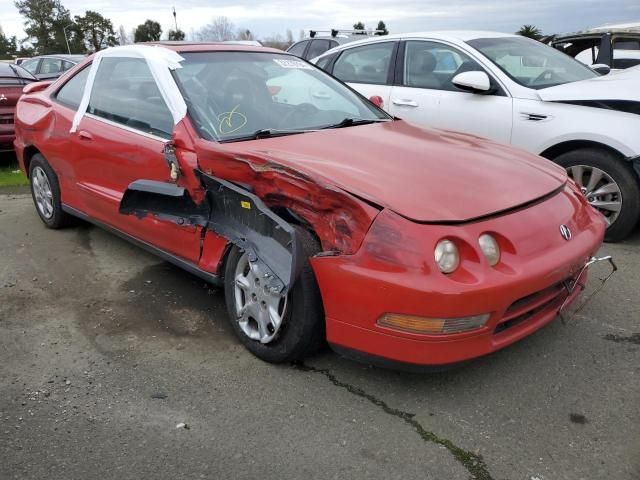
{"x": 377, "y": 197}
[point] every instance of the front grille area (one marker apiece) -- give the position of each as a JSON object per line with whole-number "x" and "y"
{"x": 528, "y": 307}
{"x": 6, "y": 119}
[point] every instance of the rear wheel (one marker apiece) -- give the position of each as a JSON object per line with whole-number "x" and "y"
{"x": 276, "y": 328}
{"x": 610, "y": 185}
{"x": 45, "y": 191}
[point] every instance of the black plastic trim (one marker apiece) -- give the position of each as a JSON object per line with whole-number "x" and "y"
{"x": 387, "y": 363}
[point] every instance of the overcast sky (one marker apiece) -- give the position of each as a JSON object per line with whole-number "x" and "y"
{"x": 267, "y": 17}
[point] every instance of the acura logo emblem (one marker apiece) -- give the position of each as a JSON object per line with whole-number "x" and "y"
{"x": 2, "y": 97}
{"x": 565, "y": 232}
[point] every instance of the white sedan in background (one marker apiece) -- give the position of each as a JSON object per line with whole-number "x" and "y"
{"x": 513, "y": 90}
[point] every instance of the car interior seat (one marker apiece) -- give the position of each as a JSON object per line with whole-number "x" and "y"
{"x": 420, "y": 70}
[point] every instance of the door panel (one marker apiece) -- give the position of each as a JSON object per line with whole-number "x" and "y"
{"x": 428, "y": 97}
{"x": 367, "y": 69}
{"x": 120, "y": 140}
{"x": 111, "y": 158}
{"x": 418, "y": 106}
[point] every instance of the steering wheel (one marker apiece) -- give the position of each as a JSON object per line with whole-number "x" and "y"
{"x": 543, "y": 74}
{"x": 305, "y": 109}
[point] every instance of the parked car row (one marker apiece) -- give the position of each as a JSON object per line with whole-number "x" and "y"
{"x": 47, "y": 67}
{"x": 13, "y": 79}
{"x": 516, "y": 91}
{"x": 323, "y": 217}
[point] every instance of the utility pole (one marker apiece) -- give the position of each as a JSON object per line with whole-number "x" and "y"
{"x": 64, "y": 30}
{"x": 174, "y": 18}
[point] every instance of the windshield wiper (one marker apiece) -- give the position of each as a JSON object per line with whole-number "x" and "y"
{"x": 266, "y": 133}
{"x": 349, "y": 122}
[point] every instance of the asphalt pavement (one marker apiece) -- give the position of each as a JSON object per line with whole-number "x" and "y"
{"x": 116, "y": 365}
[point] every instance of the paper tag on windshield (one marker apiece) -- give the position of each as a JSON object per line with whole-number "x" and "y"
{"x": 293, "y": 64}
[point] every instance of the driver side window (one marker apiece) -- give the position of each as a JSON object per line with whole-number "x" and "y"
{"x": 125, "y": 92}
{"x": 433, "y": 65}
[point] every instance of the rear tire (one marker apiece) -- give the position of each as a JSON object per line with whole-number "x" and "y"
{"x": 621, "y": 173}
{"x": 45, "y": 191}
{"x": 302, "y": 331}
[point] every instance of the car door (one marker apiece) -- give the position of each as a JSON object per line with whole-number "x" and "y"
{"x": 50, "y": 68}
{"x": 121, "y": 139}
{"x": 368, "y": 68}
{"x": 427, "y": 97}
{"x": 318, "y": 47}
{"x": 298, "y": 48}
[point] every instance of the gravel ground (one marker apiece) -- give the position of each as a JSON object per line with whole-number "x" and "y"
{"x": 105, "y": 350}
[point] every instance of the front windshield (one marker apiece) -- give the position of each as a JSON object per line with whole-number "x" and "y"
{"x": 531, "y": 63}
{"x": 235, "y": 95}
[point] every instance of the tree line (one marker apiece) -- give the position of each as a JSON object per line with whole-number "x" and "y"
{"x": 50, "y": 28}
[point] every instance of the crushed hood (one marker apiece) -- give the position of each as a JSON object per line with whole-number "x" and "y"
{"x": 424, "y": 175}
{"x": 614, "y": 86}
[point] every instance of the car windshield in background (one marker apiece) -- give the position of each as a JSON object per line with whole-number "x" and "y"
{"x": 531, "y": 63}
{"x": 242, "y": 95}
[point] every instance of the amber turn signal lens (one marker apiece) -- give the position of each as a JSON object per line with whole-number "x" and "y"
{"x": 431, "y": 326}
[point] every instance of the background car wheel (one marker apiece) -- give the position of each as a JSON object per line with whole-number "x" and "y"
{"x": 610, "y": 185}
{"x": 275, "y": 328}
{"x": 45, "y": 191}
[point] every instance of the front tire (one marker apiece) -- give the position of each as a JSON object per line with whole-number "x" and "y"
{"x": 275, "y": 329}
{"x": 610, "y": 185}
{"x": 45, "y": 191}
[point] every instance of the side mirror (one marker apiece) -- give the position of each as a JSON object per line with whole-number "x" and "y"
{"x": 474, "y": 82}
{"x": 601, "y": 68}
{"x": 36, "y": 86}
{"x": 377, "y": 101}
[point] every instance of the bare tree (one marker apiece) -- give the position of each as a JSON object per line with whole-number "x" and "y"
{"x": 290, "y": 39}
{"x": 245, "y": 34}
{"x": 123, "y": 38}
{"x": 276, "y": 41}
{"x": 220, "y": 29}
{"x": 301, "y": 34}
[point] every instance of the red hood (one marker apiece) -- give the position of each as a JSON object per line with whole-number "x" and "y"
{"x": 430, "y": 176}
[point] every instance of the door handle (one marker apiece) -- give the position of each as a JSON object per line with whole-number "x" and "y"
{"x": 84, "y": 135}
{"x": 405, "y": 103}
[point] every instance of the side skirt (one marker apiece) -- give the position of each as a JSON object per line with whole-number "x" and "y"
{"x": 169, "y": 257}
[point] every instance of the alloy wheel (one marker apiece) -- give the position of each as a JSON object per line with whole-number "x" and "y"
{"x": 42, "y": 192}
{"x": 602, "y": 192}
{"x": 259, "y": 310}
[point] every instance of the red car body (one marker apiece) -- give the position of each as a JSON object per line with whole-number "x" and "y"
{"x": 379, "y": 198}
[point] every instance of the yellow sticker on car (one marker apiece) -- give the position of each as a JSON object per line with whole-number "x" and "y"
{"x": 246, "y": 205}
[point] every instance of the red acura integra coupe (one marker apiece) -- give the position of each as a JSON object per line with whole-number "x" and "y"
{"x": 324, "y": 218}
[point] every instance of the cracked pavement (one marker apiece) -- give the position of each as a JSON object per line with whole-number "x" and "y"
{"x": 105, "y": 349}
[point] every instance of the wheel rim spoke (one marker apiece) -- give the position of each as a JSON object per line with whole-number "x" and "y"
{"x": 608, "y": 189}
{"x": 577, "y": 174}
{"x": 594, "y": 179}
{"x": 610, "y": 206}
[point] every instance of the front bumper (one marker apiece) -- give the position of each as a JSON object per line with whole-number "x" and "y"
{"x": 522, "y": 293}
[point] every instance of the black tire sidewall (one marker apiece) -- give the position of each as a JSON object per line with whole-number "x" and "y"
{"x": 302, "y": 330}
{"x": 58, "y": 218}
{"x": 623, "y": 174}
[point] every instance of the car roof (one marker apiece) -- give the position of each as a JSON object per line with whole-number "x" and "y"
{"x": 447, "y": 35}
{"x": 187, "y": 46}
{"x": 64, "y": 56}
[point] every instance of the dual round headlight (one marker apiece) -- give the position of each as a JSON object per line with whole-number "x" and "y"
{"x": 447, "y": 254}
